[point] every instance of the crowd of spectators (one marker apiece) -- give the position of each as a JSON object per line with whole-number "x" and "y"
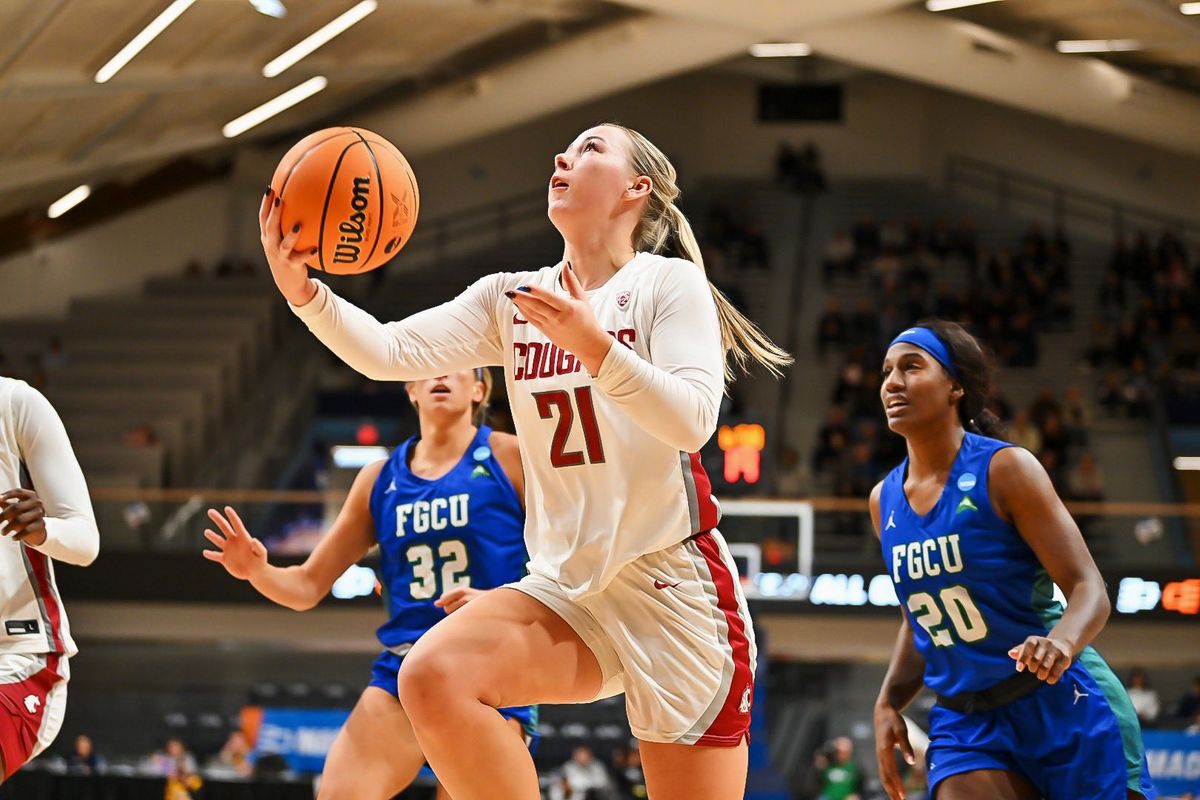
{"x": 1009, "y": 300}
{"x": 1152, "y": 712}
{"x": 1009, "y": 297}
{"x": 1144, "y": 337}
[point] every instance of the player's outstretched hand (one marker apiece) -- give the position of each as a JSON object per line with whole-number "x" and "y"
{"x": 568, "y": 322}
{"x": 455, "y": 599}
{"x": 1046, "y": 657}
{"x": 22, "y": 516}
{"x": 240, "y": 553}
{"x": 891, "y": 732}
{"x": 287, "y": 264}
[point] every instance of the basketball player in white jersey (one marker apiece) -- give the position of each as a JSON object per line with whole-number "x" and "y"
{"x": 47, "y": 516}
{"x": 615, "y": 362}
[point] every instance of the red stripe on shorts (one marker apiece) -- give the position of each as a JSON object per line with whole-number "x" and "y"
{"x": 732, "y": 723}
{"x": 45, "y": 592}
{"x": 22, "y": 709}
{"x": 709, "y": 513}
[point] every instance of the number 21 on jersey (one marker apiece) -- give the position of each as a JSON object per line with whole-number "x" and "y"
{"x": 559, "y": 401}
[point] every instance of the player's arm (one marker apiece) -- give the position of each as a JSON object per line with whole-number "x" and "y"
{"x": 1022, "y": 493}
{"x": 302, "y": 586}
{"x": 459, "y": 334}
{"x": 675, "y": 396}
{"x": 56, "y": 517}
{"x": 902, "y": 683}
{"x": 504, "y": 445}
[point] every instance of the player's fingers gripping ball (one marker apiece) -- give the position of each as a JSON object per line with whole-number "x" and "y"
{"x": 352, "y": 195}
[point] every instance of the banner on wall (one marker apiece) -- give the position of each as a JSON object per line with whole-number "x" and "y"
{"x": 1174, "y": 760}
{"x": 302, "y": 736}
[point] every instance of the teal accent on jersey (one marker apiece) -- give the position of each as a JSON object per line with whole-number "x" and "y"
{"x": 962, "y": 542}
{"x": 1122, "y": 708}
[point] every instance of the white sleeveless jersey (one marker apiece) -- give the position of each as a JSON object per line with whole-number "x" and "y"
{"x": 611, "y": 470}
{"x": 32, "y": 619}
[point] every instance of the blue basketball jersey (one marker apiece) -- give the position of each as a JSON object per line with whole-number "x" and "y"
{"x": 463, "y": 529}
{"x": 970, "y": 585}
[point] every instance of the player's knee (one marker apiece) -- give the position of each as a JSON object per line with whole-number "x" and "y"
{"x": 427, "y": 682}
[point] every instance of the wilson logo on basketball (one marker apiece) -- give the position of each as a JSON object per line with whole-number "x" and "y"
{"x": 348, "y": 250}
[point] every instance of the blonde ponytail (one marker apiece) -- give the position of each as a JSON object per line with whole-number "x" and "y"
{"x": 662, "y": 222}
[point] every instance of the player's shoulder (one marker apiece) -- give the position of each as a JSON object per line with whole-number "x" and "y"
{"x": 503, "y": 444}
{"x": 670, "y": 276}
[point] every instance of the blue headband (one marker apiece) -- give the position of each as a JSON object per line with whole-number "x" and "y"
{"x": 928, "y": 341}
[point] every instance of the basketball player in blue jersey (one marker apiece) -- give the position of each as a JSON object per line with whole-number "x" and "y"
{"x": 975, "y": 538}
{"x": 447, "y": 512}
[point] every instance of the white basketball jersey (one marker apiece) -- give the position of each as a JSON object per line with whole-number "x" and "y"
{"x": 602, "y": 490}
{"x": 32, "y": 619}
{"x": 610, "y": 466}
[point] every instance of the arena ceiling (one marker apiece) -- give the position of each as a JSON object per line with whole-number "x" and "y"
{"x": 453, "y": 69}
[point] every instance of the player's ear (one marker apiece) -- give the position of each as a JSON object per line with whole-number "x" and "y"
{"x": 641, "y": 186}
{"x": 412, "y": 394}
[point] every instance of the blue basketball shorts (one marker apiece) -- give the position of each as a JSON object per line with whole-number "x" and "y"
{"x": 1078, "y": 738}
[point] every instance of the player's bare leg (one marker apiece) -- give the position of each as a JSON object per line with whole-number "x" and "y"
{"x": 375, "y": 755}
{"x": 987, "y": 784}
{"x": 502, "y": 649}
{"x": 679, "y": 771}
{"x": 518, "y": 729}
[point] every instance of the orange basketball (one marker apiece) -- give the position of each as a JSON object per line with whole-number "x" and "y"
{"x": 353, "y": 195}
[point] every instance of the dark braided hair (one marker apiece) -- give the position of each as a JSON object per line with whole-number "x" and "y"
{"x": 976, "y": 368}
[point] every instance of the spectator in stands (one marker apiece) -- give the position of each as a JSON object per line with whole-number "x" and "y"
{"x": 866, "y": 239}
{"x": 841, "y": 257}
{"x": 791, "y": 477}
{"x": 1077, "y": 417}
{"x": 1054, "y": 436}
{"x": 1024, "y": 433}
{"x": 1086, "y": 480}
{"x": 833, "y": 329}
{"x": 55, "y": 356}
{"x": 630, "y": 780}
{"x": 84, "y": 760}
{"x": 141, "y": 435}
{"x": 1189, "y": 705}
{"x": 1044, "y": 405}
{"x": 1111, "y": 395}
{"x": 811, "y": 174}
{"x": 586, "y": 777}
{"x": 234, "y": 757}
{"x": 1144, "y": 698}
{"x": 178, "y": 766}
{"x": 841, "y": 776}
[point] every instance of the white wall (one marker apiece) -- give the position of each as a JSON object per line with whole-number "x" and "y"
{"x": 118, "y": 255}
{"x": 1055, "y": 151}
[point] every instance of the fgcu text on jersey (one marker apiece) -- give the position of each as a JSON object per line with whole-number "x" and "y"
{"x": 464, "y": 529}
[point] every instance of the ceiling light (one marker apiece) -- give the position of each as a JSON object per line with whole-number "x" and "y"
{"x": 1187, "y": 462}
{"x": 270, "y": 8}
{"x": 274, "y": 106}
{"x": 68, "y": 201}
{"x": 1098, "y": 45}
{"x": 137, "y": 43}
{"x": 780, "y": 50}
{"x": 946, "y": 5}
{"x": 314, "y": 40}
{"x": 1190, "y": 8}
